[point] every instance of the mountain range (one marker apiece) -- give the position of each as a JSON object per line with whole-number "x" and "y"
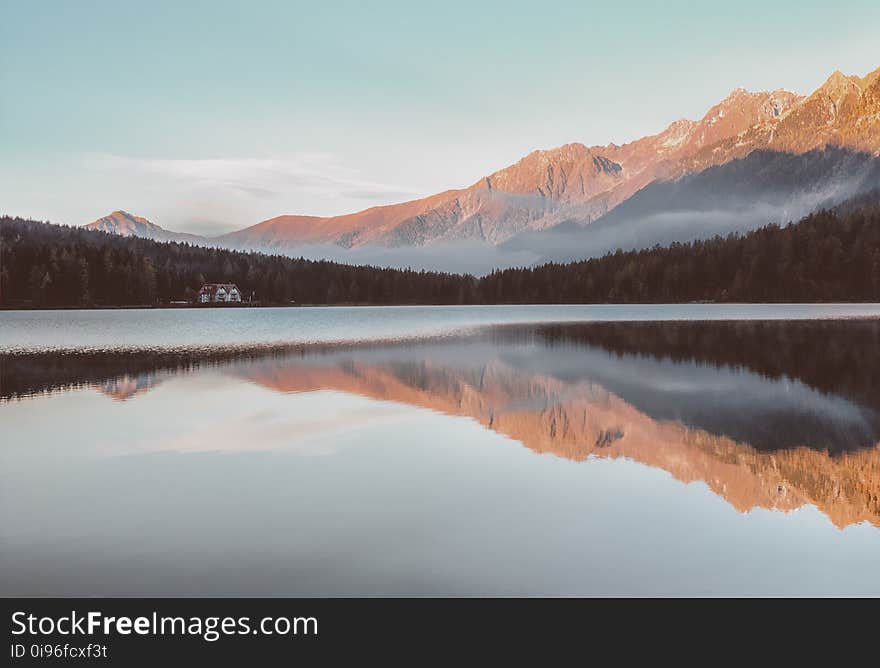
{"x": 753, "y": 158}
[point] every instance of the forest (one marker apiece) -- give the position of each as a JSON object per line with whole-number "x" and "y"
{"x": 827, "y": 355}
{"x": 829, "y": 256}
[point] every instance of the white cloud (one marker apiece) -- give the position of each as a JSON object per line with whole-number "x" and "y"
{"x": 211, "y": 195}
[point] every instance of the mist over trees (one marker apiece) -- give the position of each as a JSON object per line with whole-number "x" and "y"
{"x": 51, "y": 265}
{"x": 831, "y": 255}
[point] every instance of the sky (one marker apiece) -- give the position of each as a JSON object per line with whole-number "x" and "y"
{"x": 211, "y": 116}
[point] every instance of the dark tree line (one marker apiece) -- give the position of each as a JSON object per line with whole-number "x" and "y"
{"x": 26, "y": 374}
{"x": 826, "y": 257}
{"x": 831, "y": 255}
{"x": 52, "y": 265}
{"x": 839, "y": 357}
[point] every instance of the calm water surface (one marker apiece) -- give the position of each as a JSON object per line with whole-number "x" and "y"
{"x": 534, "y": 450}
{"x": 139, "y": 328}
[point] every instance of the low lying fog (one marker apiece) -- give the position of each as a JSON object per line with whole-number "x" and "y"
{"x": 738, "y": 197}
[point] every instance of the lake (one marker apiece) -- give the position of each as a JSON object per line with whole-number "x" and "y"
{"x": 162, "y": 328}
{"x": 411, "y": 451}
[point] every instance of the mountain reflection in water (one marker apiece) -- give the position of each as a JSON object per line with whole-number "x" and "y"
{"x": 767, "y": 414}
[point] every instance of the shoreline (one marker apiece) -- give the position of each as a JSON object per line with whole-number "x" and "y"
{"x": 169, "y": 307}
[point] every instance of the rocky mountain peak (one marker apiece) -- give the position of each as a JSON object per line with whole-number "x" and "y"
{"x": 871, "y": 79}
{"x": 839, "y": 86}
{"x": 123, "y": 223}
{"x": 126, "y": 224}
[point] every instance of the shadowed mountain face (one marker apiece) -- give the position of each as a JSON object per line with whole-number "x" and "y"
{"x": 578, "y": 184}
{"x": 743, "y": 195}
{"x": 767, "y": 414}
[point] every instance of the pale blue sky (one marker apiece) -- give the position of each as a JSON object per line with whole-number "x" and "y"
{"x": 210, "y": 116}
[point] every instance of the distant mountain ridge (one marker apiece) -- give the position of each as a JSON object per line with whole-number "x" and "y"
{"x": 128, "y": 225}
{"x": 574, "y": 183}
{"x": 540, "y": 191}
{"x": 739, "y": 196}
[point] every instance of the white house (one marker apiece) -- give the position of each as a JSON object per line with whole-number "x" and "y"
{"x": 219, "y": 292}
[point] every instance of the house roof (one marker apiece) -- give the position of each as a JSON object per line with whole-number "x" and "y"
{"x": 212, "y": 288}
